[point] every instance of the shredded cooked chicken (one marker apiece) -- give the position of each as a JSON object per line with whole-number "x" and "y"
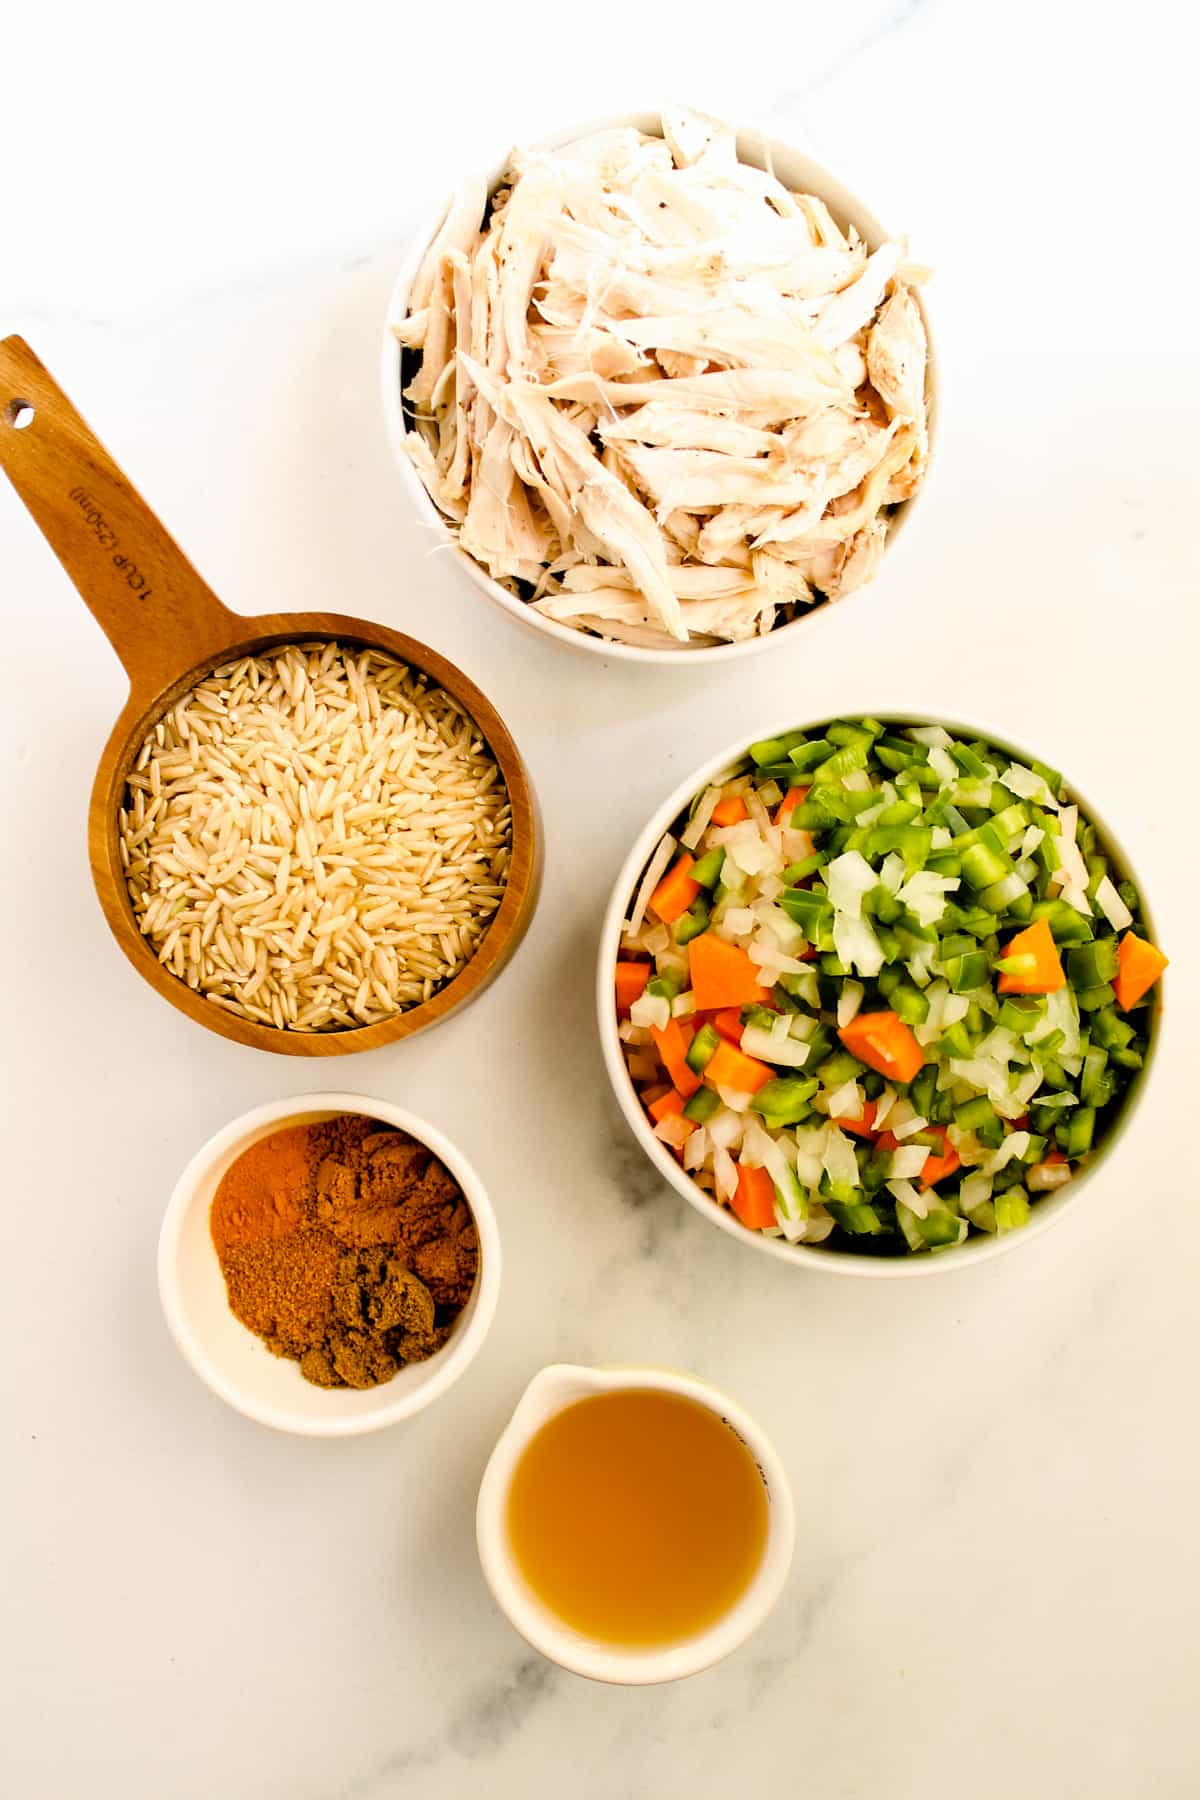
{"x": 659, "y": 396}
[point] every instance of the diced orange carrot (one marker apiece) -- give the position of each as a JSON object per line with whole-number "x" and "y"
{"x": 631, "y": 981}
{"x": 672, "y": 1045}
{"x": 676, "y": 891}
{"x": 1139, "y": 966}
{"x": 668, "y": 1106}
{"x": 675, "y": 1131}
{"x": 656, "y": 1091}
{"x": 754, "y": 1199}
{"x": 722, "y": 975}
{"x": 1039, "y": 967}
{"x": 668, "y": 1109}
{"x": 887, "y": 1140}
{"x": 730, "y": 811}
{"x": 791, "y": 800}
{"x": 937, "y": 1167}
{"x": 864, "y": 1127}
{"x": 883, "y": 1041}
{"x": 729, "y": 1068}
{"x": 728, "y": 1022}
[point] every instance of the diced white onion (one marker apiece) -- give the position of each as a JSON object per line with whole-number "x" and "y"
{"x": 839, "y": 1159}
{"x": 651, "y": 1010}
{"x": 924, "y": 894}
{"x": 856, "y": 944}
{"x": 892, "y": 872}
{"x": 943, "y": 766}
{"x": 974, "y": 1191}
{"x": 699, "y": 821}
{"x": 754, "y": 856}
{"x": 936, "y": 735}
{"x": 656, "y": 868}
{"x": 884, "y": 1105}
{"x": 734, "y": 1099}
{"x": 696, "y": 1149}
{"x": 848, "y": 877}
{"x": 683, "y": 1005}
{"x": 1013, "y": 1148}
{"x": 738, "y": 921}
{"x": 907, "y": 1128}
{"x": 1071, "y": 876}
{"x": 725, "y": 1129}
{"x": 846, "y": 1102}
{"x": 1028, "y": 786}
{"x": 908, "y": 1161}
{"x": 905, "y": 1194}
{"x": 773, "y": 963}
{"x": 725, "y": 1173}
{"x": 790, "y": 1054}
{"x": 1112, "y": 906}
{"x": 1046, "y": 1175}
{"x": 849, "y": 1000}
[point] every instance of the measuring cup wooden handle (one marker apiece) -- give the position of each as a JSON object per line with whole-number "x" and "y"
{"x": 159, "y": 615}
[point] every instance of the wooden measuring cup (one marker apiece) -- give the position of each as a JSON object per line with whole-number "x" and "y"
{"x": 170, "y": 631}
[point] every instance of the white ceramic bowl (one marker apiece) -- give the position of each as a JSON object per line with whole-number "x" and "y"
{"x": 233, "y": 1361}
{"x": 550, "y": 1391}
{"x": 975, "y": 1249}
{"x": 799, "y": 173}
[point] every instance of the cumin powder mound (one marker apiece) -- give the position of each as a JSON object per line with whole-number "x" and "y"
{"x": 346, "y": 1246}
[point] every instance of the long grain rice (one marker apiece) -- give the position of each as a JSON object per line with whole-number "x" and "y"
{"x": 316, "y": 838}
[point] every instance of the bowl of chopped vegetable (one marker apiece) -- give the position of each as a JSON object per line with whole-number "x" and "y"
{"x": 878, "y": 989}
{"x": 664, "y": 387}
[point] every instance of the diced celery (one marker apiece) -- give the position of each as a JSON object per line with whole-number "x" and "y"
{"x": 1012, "y": 1209}
{"x": 1110, "y": 1031}
{"x": 708, "y": 869}
{"x": 939, "y": 1227}
{"x": 956, "y": 1041}
{"x": 965, "y": 971}
{"x": 1096, "y": 1084}
{"x": 842, "y": 762}
{"x": 1092, "y": 965}
{"x": 800, "y": 871}
{"x": 974, "y": 1113}
{"x": 1019, "y": 1016}
{"x": 702, "y": 1049}
{"x": 693, "y": 922}
{"x": 910, "y": 1003}
{"x": 702, "y": 1105}
{"x": 806, "y": 756}
{"x": 983, "y": 867}
{"x": 773, "y": 750}
{"x": 785, "y": 1100}
{"x": 667, "y": 983}
{"x": 1076, "y": 1132}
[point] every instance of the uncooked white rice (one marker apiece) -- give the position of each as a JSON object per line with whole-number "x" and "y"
{"x": 315, "y": 838}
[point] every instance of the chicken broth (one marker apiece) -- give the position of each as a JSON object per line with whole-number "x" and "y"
{"x": 638, "y": 1517}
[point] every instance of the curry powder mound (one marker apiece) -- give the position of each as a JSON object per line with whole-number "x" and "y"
{"x": 346, "y": 1246}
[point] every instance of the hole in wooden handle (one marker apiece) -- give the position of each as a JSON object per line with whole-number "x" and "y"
{"x": 19, "y": 414}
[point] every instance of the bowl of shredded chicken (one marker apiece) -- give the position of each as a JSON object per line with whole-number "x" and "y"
{"x": 666, "y": 386}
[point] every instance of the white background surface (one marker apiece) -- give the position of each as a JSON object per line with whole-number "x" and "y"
{"x": 996, "y": 1583}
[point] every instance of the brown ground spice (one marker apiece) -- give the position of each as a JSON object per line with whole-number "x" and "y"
{"x": 345, "y": 1245}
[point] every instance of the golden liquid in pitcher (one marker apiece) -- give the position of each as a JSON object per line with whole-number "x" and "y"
{"x": 638, "y": 1517}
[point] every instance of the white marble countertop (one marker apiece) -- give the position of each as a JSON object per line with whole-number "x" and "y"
{"x": 995, "y": 1588}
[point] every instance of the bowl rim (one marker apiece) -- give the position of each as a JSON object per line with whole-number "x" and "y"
{"x": 535, "y": 1621}
{"x": 843, "y": 201}
{"x": 456, "y": 1356}
{"x": 974, "y": 1250}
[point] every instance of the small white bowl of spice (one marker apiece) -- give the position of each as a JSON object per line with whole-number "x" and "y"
{"x": 329, "y": 1264}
